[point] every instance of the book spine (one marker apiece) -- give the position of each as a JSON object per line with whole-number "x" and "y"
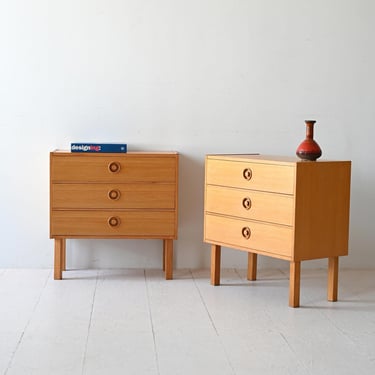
{"x": 99, "y": 147}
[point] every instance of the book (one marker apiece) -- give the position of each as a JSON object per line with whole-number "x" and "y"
{"x": 99, "y": 147}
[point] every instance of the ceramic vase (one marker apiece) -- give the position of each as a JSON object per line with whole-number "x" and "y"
{"x": 309, "y": 150}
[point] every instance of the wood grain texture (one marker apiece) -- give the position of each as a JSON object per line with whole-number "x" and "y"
{"x": 294, "y": 283}
{"x": 58, "y": 258}
{"x": 333, "y": 277}
{"x": 279, "y": 207}
{"x": 252, "y": 261}
{"x": 133, "y": 195}
{"x": 265, "y": 177}
{"x": 215, "y": 264}
{"x": 322, "y": 210}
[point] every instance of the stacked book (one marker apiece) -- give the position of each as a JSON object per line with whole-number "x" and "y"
{"x": 99, "y": 147}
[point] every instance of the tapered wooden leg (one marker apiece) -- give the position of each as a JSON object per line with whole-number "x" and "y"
{"x": 58, "y": 259}
{"x": 294, "y": 283}
{"x": 163, "y": 255}
{"x": 215, "y": 264}
{"x": 63, "y": 255}
{"x": 252, "y": 266}
{"x": 168, "y": 259}
{"x": 333, "y": 275}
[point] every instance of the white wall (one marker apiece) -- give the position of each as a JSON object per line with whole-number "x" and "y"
{"x": 196, "y": 76}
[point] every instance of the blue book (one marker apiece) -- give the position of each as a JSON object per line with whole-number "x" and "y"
{"x": 99, "y": 147}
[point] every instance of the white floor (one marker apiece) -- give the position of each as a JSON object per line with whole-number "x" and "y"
{"x": 135, "y": 322}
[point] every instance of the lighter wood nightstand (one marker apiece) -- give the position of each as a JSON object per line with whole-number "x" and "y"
{"x": 279, "y": 207}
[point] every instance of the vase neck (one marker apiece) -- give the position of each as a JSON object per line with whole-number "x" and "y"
{"x": 310, "y": 129}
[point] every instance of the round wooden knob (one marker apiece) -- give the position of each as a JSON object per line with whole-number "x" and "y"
{"x": 246, "y": 203}
{"x": 247, "y": 174}
{"x": 114, "y": 194}
{"x": 114, "y": 167}
{"x": 246, "y": 232}
{"x": 114, "y": 221}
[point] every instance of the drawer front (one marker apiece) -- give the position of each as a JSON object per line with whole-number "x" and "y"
{"x": 247, "y": 175}
{"x": 275, "y": 240}
{"x": 113, "y": 224}
{"x": 250, "y": 204}
{"x": 111, "y": 196}
{"x": 105, "y": 168}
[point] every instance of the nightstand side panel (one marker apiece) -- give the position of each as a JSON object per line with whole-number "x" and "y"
{"x": 322, "y": 209}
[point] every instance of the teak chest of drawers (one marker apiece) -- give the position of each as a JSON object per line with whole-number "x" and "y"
{"x": 131, "y": 195}
{"x": 279, "y": 207}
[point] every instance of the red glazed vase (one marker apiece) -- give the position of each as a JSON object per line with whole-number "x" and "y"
{"x": 309, "y": 149}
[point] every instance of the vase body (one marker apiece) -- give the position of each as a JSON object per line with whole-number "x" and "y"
{"x": 309, "y": 149}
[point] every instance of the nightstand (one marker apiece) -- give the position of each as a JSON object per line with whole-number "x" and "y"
{"x": 104, "y": 195}
{"x": 279, "y": 207}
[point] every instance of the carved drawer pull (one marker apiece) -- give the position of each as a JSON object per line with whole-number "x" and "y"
{"x": 246, "y": 232}
{"x": 247, "y": 174}
{"x": 246, "y": 203}
{"x": 114, "y": 194}
{"x": 114, "y": 167}
{"x": 114, "y": 221}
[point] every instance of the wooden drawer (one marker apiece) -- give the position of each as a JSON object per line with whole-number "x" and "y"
{"x": 117, "y": 168}
{"x": 248, "y": 175}
{"x": 275, "y": 240}
{"x": 110, "y": 196}
{"x": 132, "y": 224}
{"x": 250, "y": 204}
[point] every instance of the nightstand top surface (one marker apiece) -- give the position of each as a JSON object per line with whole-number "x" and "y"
{"x": 129, "y": 153}
{"x": 267, "y": 159}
